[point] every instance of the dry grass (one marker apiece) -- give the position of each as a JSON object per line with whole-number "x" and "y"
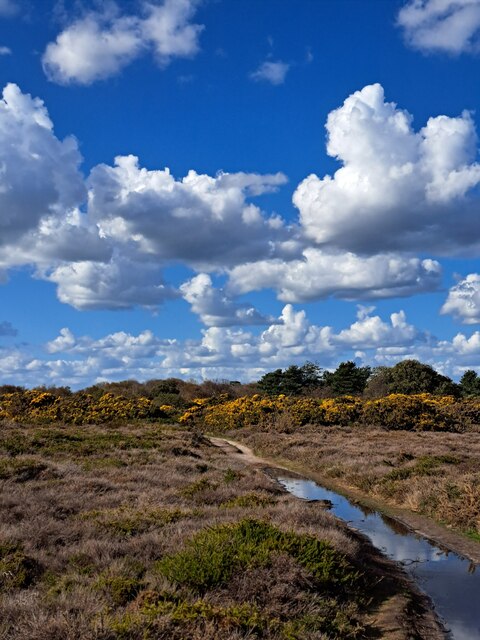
{"x": 432, "y": 473}
{"x": 87, "y": 514}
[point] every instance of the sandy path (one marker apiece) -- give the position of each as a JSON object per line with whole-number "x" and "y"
{"x": 418, "y": 524}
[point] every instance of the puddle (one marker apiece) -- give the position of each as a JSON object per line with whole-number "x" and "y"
{"x": 449, "y": 580}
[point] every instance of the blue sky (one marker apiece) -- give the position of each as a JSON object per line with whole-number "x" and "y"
{"x": 321, "y": 200}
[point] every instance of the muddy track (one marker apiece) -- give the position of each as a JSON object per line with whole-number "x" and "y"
{"x": 421, "y": 525}
{"x": 400, "y": 617}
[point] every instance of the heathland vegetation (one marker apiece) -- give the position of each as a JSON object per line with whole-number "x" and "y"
{"x": 146, "y": 530}
{"x": 120, "y": 520}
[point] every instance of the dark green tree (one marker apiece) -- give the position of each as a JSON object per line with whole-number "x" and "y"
{"x": 412, "y": 376}
{"x": 470, "y": 383}
{"x": 347, "y": 379}
{"x": 292, "y": 381}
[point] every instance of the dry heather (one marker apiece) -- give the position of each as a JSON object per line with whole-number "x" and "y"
{"x": 150, "y": 532}
{"x": 432, "y": 473}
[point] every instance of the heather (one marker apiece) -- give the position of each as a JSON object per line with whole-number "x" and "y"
{"x": 144, "y": 530}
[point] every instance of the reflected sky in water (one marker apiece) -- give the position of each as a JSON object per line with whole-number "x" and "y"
{"x": 444, "y": 576}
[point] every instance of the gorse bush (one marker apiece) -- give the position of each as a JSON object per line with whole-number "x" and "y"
{"x": 421, "y": 412}
{"x": 221, "y": 412}
{"x": 42, "y": 407}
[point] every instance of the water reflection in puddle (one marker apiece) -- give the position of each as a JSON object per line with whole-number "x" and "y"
{"x": 451, "y": 582}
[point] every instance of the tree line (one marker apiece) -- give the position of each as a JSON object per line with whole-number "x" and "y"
{"x": 406, "y": 377}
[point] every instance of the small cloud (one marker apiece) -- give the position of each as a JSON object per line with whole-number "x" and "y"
{"x": 273, "y": 72}
{"x": 6, "y": 329}
{"x": 463, "y": 301}
{"x": 8, "y": 8}
{"x": 5, "y": 51}
{"x": 448, "y": 26}
{"x": 309, "y": 56}
{"x": 99, "y": 45}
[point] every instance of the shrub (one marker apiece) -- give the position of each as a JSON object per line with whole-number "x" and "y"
{"x": 17, "y": 570}
{"x": 127, "y": 522}
{"x": 211, "y": 557}
{"x": 121, "y": 589}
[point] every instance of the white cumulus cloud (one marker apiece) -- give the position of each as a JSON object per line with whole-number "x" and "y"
{"x": 451, "y": 26}
{"x": 463, "y": 301}
{"x": 215, "y": 308}
{"x": 397, "y": 189}
{"x": 370, "y": 332}
{"x": 100, "y": 45}
{"x": 236, "y": 353}
{"x": 118, "y": 284}
{"x": 201, "y": 220}
{"x": 39, "y": 174}
{"x": 320, "y": 274}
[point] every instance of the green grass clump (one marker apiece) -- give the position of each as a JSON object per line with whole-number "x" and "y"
{"x": 17, "y": 570}
{"x": 424, "y": 466}
{"x": 126, "y": 522}
{"x": 231, "y": 476}
{"x": 21, "y": 469}
{"x": 212, "y": 556}
{"x": 245, "y": 616}
{"x": 330, "y": 620}
{"x": 120, "y": 589}
{"x": 197, "y": 487}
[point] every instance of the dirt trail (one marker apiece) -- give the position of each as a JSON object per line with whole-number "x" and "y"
{"x": 239, "y": 450}
{"x": 396, "y": 619}
{"x": 419, "y": 524}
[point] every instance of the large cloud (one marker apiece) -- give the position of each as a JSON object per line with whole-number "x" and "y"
{"x": 118, "y": 284}
{"x": 397, "y": 189}
{"x": 109, "y": 252}
{"x": 344, "y": 275}
{"x": 451, "y": 26}
{"x": 98, "y": 46}
{"x": 463, "y": 301}
{"x": 201, "y": 220}
{"x": 39, "y": 174}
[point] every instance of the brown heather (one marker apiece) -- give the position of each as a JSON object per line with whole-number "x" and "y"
{"x": 130, "y": 533}
{"x": 432, "y": 473}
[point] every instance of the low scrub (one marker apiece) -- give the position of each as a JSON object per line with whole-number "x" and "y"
{"x": 420, "y": 412}
{"x": 213, "y": 556}
{"x": 17, "y": 570}
{"x": 42, "y": 407}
